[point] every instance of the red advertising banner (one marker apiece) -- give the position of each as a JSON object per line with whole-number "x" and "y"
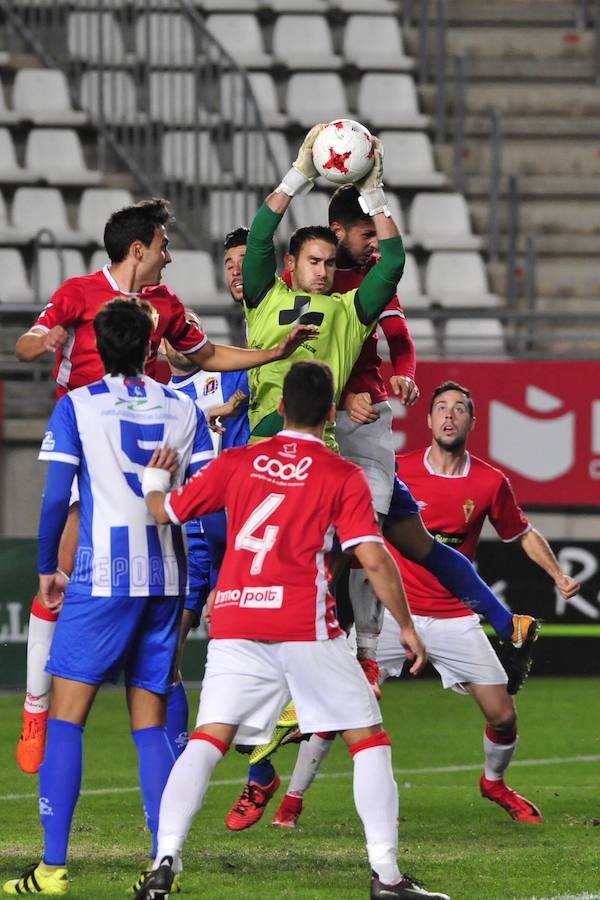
{"x": 537, "y": 421}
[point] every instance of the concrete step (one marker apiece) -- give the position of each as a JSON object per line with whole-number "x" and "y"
{"x": 565, "y": 278}
{"x": 569, "y": 221}
{"x": 514, "y": 12}
{"x": 512, "y": 99}
{"x": 529, "y": 126}
{"x": 563, "y": 187}
{"x": 539, "y": 43}
{"x": 574, "y": 158}
{"x": 493, "y": 68}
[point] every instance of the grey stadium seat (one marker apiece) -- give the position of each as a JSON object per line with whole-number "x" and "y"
{"x": 442, "y": 222}
{"x": 458, "y": 279}
{"x": 316, "y": 97}
{"x": 42, "y": 95}
{"x": 242, "y": 38}
{"x": 389, "y": 100}
{"x": 192, "y": 276}
{"x": 165, "y": 38}
{"x": 47, "y": 270}
{"x": 56, "y": 153}
{"x": 119, "y": 96}
{"x": 375, "y": 43}
{"x": 95, "y": 207}
{"x": 14, "y": 287}
{"x": 311, "y": 47}
{"x": 35, "y": 207}
{"x": 88, "y": 33}
{"x": 10, "y": 170}
{"x": 409, "y": 160}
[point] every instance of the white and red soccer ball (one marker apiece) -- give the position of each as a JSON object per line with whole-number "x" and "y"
{"x": 343, "y": 151}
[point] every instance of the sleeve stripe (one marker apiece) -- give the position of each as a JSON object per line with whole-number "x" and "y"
{"x": 169, "y": 510}
{"x": 516, "y": 536}
{"x": 37, "y": 328}
{"x": 52, "y": 456}
{"x": 364, "y": 539}
{"x": 197, "y": 347}
{"x": 204, "y": 454}
{"x": 391, "y": 312}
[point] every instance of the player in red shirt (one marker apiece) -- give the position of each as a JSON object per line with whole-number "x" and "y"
{"x": 273, "y": 627}
{"x": 136, "y": 242}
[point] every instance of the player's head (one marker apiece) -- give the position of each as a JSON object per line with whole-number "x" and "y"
{"x": 138, "y": 234}
{"x": 311, "y": 259}
{"x": 123, "y": 329}
{"x": 234, "y": 252}
{"x": 178, "y": 362}
{"x": 308, "y": 392}
{"x": 353, "y": 227}
{"x": 451, "y": 416}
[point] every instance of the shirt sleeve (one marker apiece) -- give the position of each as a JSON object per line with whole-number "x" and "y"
{"x": 506, "y": 515}
{"x": 181, "y": 334}
{"x": 64, "y": 308}
{"x": 380, "y": 282}
{"x": 202, "y": 449}
{"x": 203, "y": 493}
{"x": 62, "y": 442}
{"x": 355, "y": 520}
{"x": 402, "y": 350}
{"x": 260, "y": 263}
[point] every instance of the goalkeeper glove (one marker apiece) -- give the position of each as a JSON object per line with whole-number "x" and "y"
{"x": 372, "y": 196}
{"x": 301, "y": 177}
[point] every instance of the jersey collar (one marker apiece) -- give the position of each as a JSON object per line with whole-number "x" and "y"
{"x": 114, "y": 285}
{"x": 300, "y": 435}
{"x": 463, "y": 474}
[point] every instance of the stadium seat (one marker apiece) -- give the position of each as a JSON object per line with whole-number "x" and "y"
{"x": 48, "y": 274}
{"x": 398, "y": 216}
{"x": 409, "y": 287}
{"x": 228, "y": 209}
{"x": 375, "y": 43}
{"x": 165, "y": 39}
{"x": 95, "y": 206}
{"x": 99, "y": 260}
{"x": 474, "y": 337}
{"x": 10, "y": 170}
{"x": 216, "y": 328}
{"x": 42, "y": 95}
{"x": 316, "y": 97}
{"x": 14, "y": 287}
{"x": 245, "y": 6}
{"x": 409, "y": 160}
{"x": 383, "y": 7}
{"x": 309, "y": 210}
{"x": 424, "y": 338}
{"x": 458, "y": 279}
{"x": 441, "y": 222}
{"x": 297, "y": 6}
{"x": 93, "y": 37}
{"x": 192, "y": 276}
{"x": 36, "y": 208}
{"x": 251, "y": 163}
{"x": 389, "y": 101}
{"x": 119, "y": 100}
{"x": 175, "y": 99}
{"x": 242, "y": 38}
{"x": 56, "y": 153}
{"x": 311, "y": 47}
{"x": 189, "y": 155}
{"x": 232, "y": 98}
{"x": 7, "y": 116}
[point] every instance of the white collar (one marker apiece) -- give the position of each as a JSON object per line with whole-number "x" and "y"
{"x": 114, "y": 285}
{"x": 431, "y": 470}
{"x": 301, "y": 435}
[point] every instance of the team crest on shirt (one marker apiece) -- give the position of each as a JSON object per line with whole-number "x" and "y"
{"x": 289, "y": 450}
{"x": 210, "y": 386}
{"x": 468, "y": 507}
{"x": 48, "y": 443}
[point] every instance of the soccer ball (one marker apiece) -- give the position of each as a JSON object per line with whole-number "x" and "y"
{"x": 343, "y": 151}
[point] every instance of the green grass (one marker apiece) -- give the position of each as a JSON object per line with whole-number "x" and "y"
{"x": 449, "y": 837}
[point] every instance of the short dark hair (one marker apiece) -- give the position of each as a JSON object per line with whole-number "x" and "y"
{"x": 236, "y": 238}
{"x": 345, "y": 208}
{"x": 308, "y": 390}
{"x": 453, "y": 386}
{"x": 135, "y": 223}
{"x": 123, "y": 328}
{"x": 311, "y": 233}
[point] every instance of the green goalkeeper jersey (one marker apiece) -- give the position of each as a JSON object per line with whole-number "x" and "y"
{"x": 272, "y": 309}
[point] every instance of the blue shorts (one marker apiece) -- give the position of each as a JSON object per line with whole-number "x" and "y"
{"x": 97, "y": 638}
{"x": 198, "y": 573}
{"x": 403, "y": 503}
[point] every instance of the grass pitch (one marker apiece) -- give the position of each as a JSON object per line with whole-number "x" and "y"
{"x": 450, "y": 837}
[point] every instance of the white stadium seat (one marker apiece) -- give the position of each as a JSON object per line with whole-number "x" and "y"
{"x": 232, "y": 98}
{"x": 165, "y": 39}
{"x": 57, "y": 154}
{"x": 474, "y": 337}
{"x": 383, "y": 7}
{"x": 14, "y": 287}
{"x": 228, "y": 209}
{"x": 242, "y": 38}
{"x": 35, "y": 208}
{"x": 247, "y": 6}
{"x": 389, "y": 101}
{"x": 7, "y": 116}
{"x": 458, "y": 279}
{"x": 92, "y": 37}
{"x": 95, "y": 207}
{"x": 297, "y": 6}
{"x": 304, "y": 42}
{"x": 192, "y": 276}
{"x": 316, "y": 97}
{"x": 409, "y": 160}
{"x": 216, "y": 328}
{"x": 119, "y": 98}
{"x": 42, "y": 95}
{"x": 49, "y": 275}
{"x": 424, "y": 338}
{"x": 250, "y": 161}
{"x": 187, "y": 153}
{"x": 375, "y": 43}
{"x": 176, "y": 100}
{"x": 409, "y": 287}
{"x": 441, "y": 222}
{"x": 10, "y": 170}
{"x": 99, "y": 260}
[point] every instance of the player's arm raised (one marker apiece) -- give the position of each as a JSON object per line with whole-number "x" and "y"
{"x": 538, "y": 549}
{"x": 37, "y": 341}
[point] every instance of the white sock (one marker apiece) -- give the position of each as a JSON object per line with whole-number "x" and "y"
{"x": 368, "y": 614}
{"x": 497, "y": 757}
{"x": 311, "y": 754}
{"x": 39, "y": 638}
{"x": 376, "y": 800}
{"x": 183, "y": 796}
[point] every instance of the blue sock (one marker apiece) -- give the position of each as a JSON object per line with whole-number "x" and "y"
{"x": 177, "y": 719}
{"x": 60, "y": 782}
{"x": 155, "y": 763}
{"x": 457, "y": 575}
{"x": 262, "y": 773}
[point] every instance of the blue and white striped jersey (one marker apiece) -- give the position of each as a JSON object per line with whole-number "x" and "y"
{"x": 211, "y": 389}
{"x": 106, "y": 433}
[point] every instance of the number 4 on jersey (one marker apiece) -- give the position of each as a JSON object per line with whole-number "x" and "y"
{"x": 246, "y": 538}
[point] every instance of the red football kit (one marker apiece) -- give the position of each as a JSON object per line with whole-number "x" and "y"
{"x": 285, "y": 498}
{"x": 74, "y": 306}
{"x": 454, "y": 509}
{"x": 366, "y": 374}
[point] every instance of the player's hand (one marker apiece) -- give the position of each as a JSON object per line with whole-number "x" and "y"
{"x": 567, "y": 586}
{"x": 295, "y": 339}
{"x": 56, "y": 338}
{"x": 304, "y": 161}
{"x": 52, "y": 591}
{"x": 373, "y": 180}
{"x": 405, "y": 388}
{"x": 164, "y": 458}
{"x": 360, "y": 409}
{"x": 210, "y": 602}
{"x": 228, "y": 410}
{"x": 415, "y": 649}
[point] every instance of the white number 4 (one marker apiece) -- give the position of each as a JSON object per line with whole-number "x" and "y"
{"x": 260, "y": 546}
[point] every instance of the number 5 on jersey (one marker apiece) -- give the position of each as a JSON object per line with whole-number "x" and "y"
{"x": 246, "y": 538}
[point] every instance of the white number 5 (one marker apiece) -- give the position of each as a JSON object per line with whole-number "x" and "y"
{"x": 260, "y": 546}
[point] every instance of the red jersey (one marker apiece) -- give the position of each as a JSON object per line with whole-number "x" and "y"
{"x": 74, "y": 306}
{"x": 366, "y": 374}
{"x": 454, "y": 509}
{"x": 285, "y": 498}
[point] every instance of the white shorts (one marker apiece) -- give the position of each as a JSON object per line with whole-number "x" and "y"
{"x": 248, "y": 683}
{"x": 371, "y": 447}
{"x": 457, "y": 648}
